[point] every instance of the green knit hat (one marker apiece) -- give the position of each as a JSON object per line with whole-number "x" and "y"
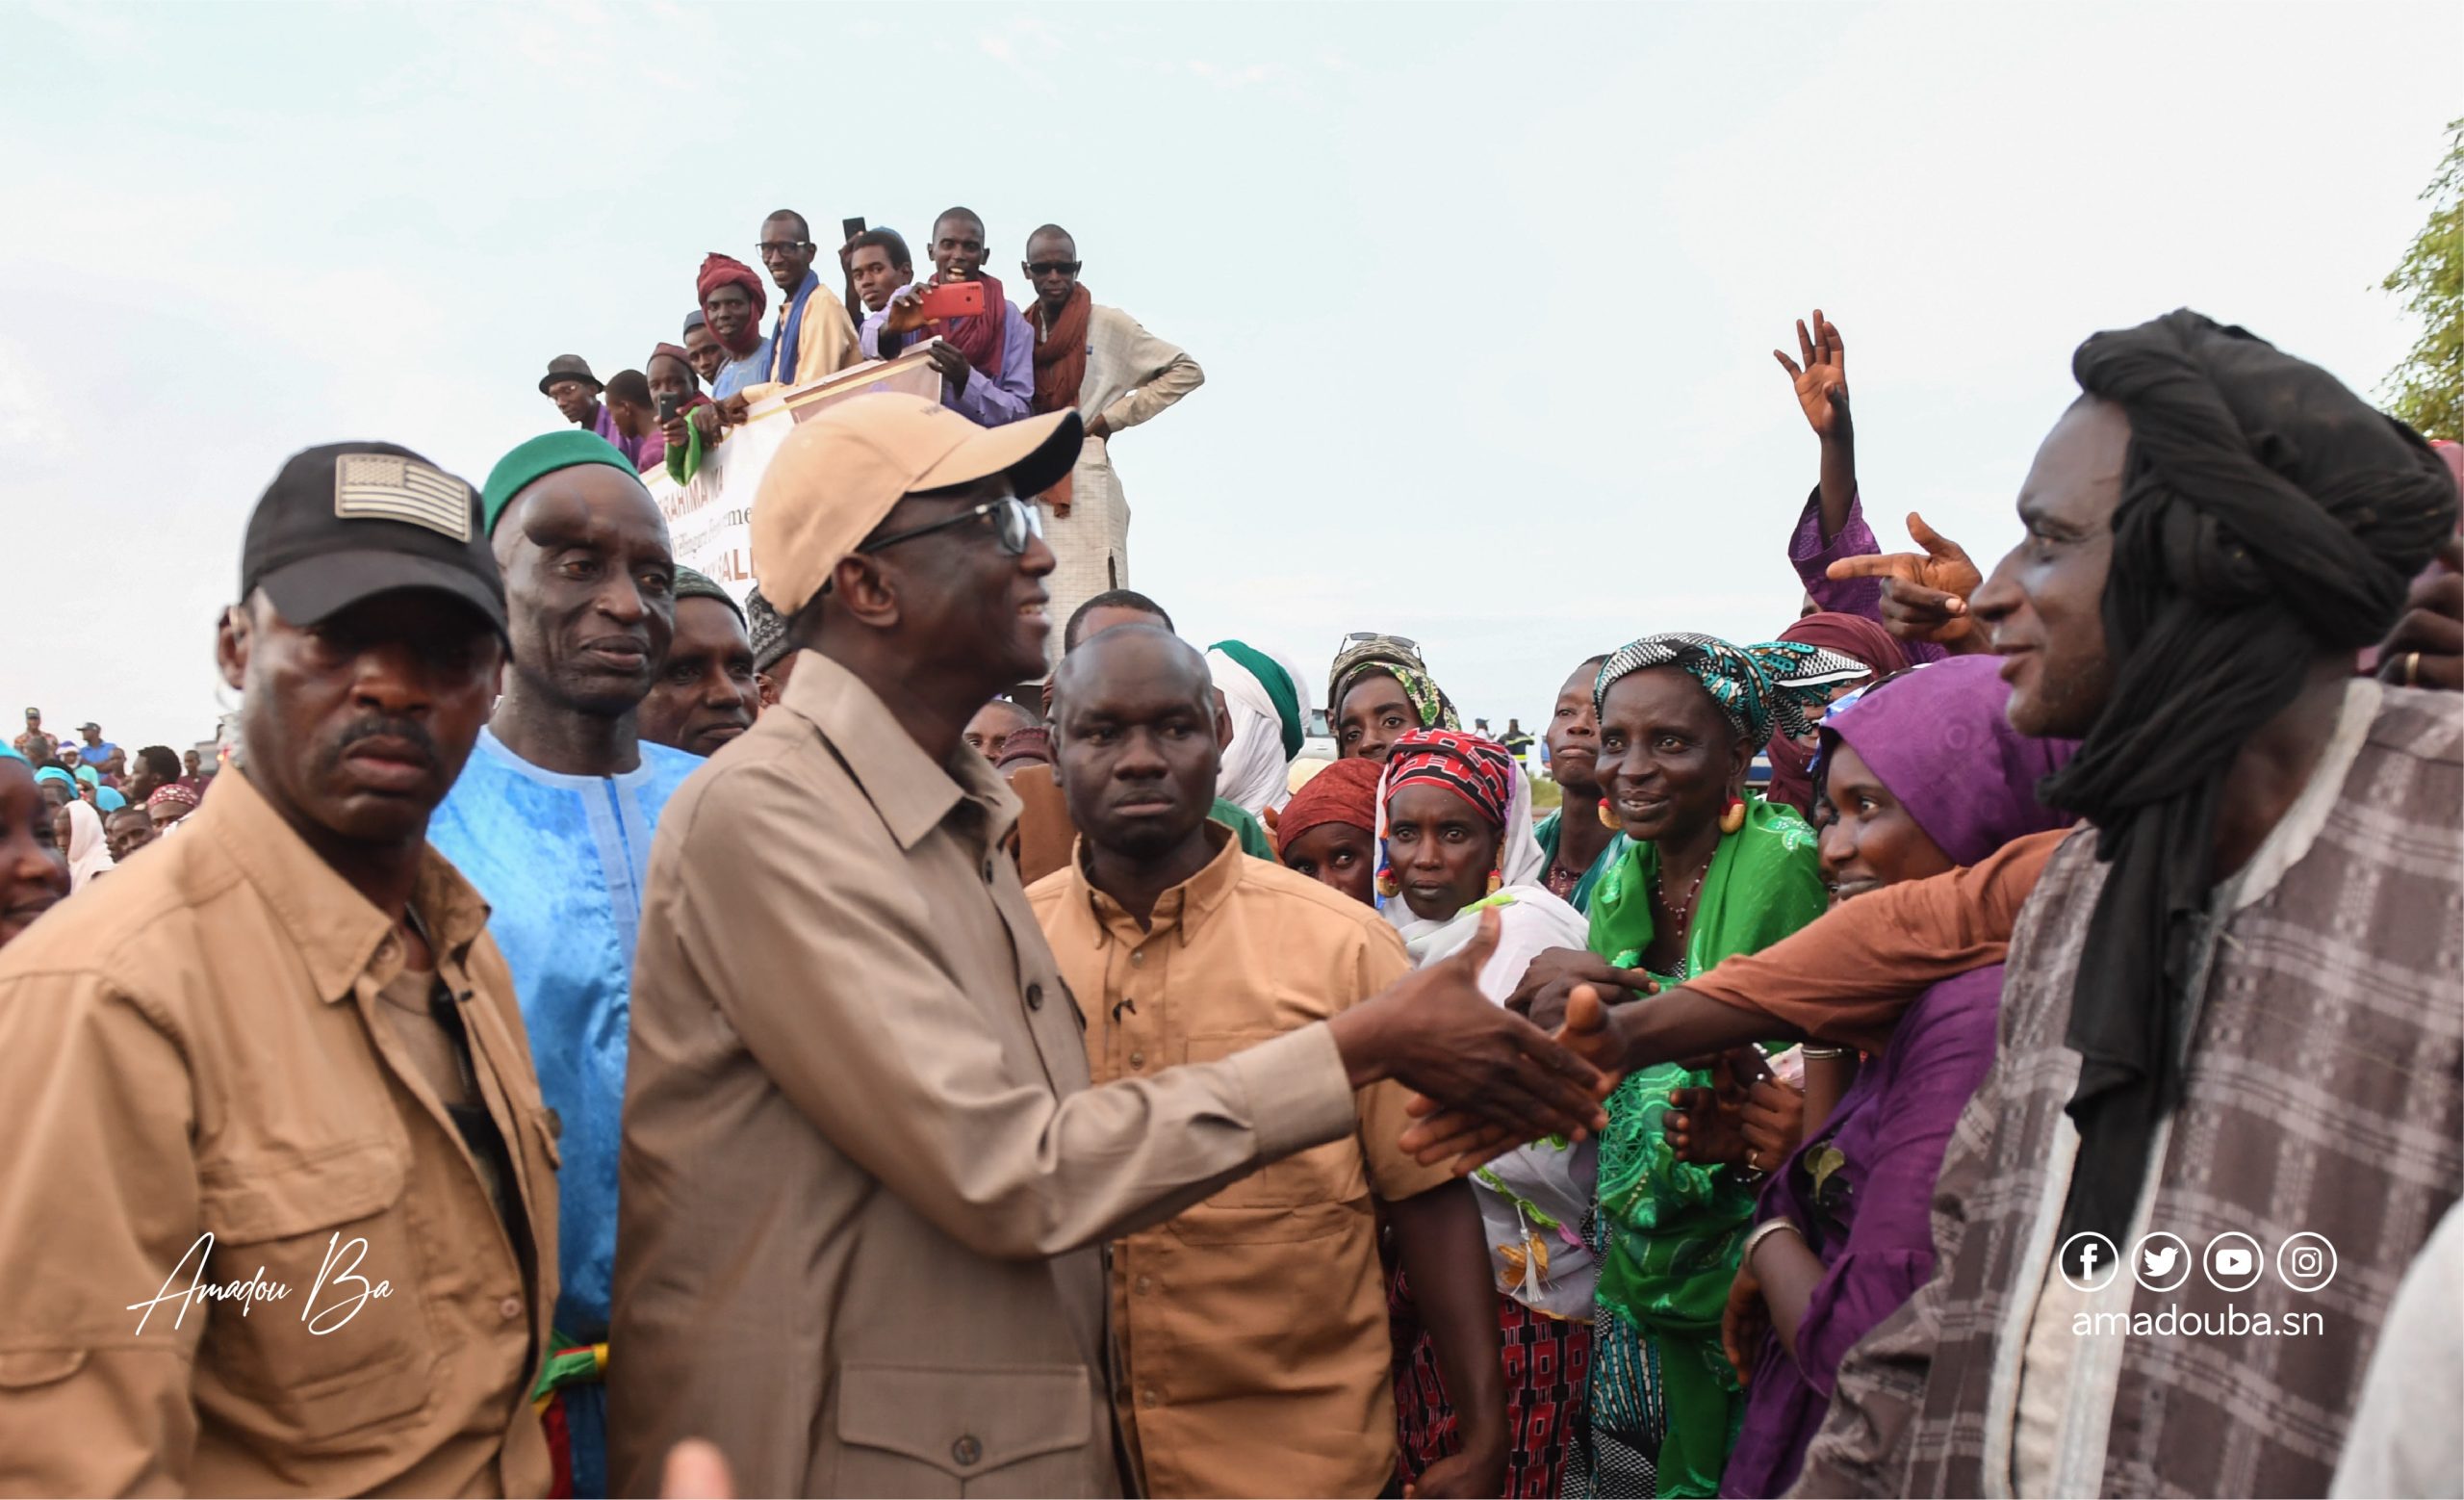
{"x": 539, "y": 457}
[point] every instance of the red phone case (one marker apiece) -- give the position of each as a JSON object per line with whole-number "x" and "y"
{"x": 953, "y": 300}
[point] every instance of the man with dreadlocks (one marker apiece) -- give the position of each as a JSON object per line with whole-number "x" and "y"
{"x": 2229, "y": 1004}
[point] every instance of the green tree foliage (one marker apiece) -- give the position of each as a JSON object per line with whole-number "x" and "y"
{"x": 2427, "y": 389}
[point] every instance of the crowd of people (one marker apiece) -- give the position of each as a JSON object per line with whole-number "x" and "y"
{"x": 912, "y": 1036}
{"x": 1059, "y": 351}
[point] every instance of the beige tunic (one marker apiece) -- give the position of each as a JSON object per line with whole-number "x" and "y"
{"x": 864, "y": 1183}
{"x": 1131, "y": 376}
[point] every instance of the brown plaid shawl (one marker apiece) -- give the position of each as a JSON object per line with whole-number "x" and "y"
{"x": 2325, "y": 1094}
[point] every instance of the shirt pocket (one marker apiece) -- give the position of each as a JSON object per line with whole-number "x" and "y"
{"x": 919, "y": 1430}
{"x": 347, "y": 1344}
{"x": 1303, "y": 1196}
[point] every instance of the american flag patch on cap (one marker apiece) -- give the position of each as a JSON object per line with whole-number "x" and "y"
{"x": 382, "y": 487}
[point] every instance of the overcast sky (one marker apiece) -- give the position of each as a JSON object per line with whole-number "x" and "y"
{"x": 1485, "y": 296}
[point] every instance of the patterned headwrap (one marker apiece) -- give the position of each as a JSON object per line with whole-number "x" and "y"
{"x": 1392, "y": 657}
{"x": 1346, "y": 792}
{"x": 1478, "y": 770}
{"x": 769, "y": 632}
{"x": 1771, "y": 685}
{"x": 171, "y": 794}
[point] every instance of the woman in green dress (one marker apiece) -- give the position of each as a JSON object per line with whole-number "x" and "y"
{"x": 1707, "y": 872}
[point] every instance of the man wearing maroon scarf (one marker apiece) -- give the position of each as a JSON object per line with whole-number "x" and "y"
{"x": 985, "y": 360}
{"x": 1100, "y": 362}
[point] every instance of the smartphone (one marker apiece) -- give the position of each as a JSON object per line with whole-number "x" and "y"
{"x": 849, "y": 228}
{"x": 953, "y": 300}
{"x": 670, "y": 403}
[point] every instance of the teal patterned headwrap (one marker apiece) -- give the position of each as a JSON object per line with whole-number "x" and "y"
{"x": 1771, "y": 684}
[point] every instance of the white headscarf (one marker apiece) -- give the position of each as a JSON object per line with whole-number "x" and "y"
{"x": 1532, "y": 1200}
{"x": 1534, "y": 920}
{"x": 90, "y": 854}
{"x": 1254, "y": 773}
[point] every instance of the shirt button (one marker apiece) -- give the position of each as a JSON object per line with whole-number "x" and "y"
{"x": 1138, "y": 1059}
{"x": 510, "y": 1309}
{"x": 1137, "y": 957}
{"x": 966, "y": 1451}
{"x": 1148, "y": 1397}
{"x": 1034, "y": 997}
{"x": 1142, "y": 1287}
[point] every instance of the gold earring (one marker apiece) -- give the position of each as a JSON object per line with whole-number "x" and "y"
{"x": 1607, "y": 819}
{"x": 1734, "y": 819}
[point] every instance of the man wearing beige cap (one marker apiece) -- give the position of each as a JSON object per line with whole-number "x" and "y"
{"x": 866, "y": 1182}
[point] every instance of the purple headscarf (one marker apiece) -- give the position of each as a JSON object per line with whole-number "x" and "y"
{"x": 1939, "y": 738}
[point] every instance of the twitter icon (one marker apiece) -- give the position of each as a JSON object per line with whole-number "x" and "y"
{"x": 2162, "y": 1262}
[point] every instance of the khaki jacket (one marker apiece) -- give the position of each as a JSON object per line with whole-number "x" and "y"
{"x": 189, "y": 1047}
{"x": 864, "y": 1183}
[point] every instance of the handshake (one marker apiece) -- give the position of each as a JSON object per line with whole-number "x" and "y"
{"x": 1488, "y": 1078}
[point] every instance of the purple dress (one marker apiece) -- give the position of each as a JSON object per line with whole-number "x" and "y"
{"x": 1857, "y": 596}
{"x": 1870, "y": 1217}
{"x": 1862, "y": 1191}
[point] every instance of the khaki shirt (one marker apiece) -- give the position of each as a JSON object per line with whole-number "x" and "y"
{"x": 192, "y": 1048}
{"x": 1254, "y": 1352}
{"x": 864, "y": 1185}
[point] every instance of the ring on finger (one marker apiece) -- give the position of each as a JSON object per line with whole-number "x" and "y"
{"x": 2412, "y": 668}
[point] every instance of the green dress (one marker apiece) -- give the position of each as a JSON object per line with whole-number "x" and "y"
{"x": 1664, "y": 1402}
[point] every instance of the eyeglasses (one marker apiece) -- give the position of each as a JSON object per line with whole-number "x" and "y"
{"x": 1015, "y": 524}
{"x": 771, "y": 247}
{"x": 1046, "y": 268}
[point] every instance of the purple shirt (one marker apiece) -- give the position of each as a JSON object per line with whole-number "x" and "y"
{"x": 986, "y": 402}
{"x": 639, "y": 451}
{"x": 1857, "y": 596}
{"x": 1871, "y": 1222}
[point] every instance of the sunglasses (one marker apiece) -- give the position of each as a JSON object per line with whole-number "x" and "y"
{"x": 1015, "y": 524}
{"x": 1376, "y": 638}
{"x": 1045, "y": 268}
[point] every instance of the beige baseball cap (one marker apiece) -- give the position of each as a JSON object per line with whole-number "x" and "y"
{"x": 838, "y": 475}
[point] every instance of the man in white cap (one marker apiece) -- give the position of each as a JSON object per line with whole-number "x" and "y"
{"x": 866, "y": 1182}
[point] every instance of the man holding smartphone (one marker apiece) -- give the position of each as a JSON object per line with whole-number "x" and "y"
{"x": 985, "y": 357}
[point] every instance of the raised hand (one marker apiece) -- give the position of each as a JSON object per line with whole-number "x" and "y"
{"x": 1924, "y": 594}
{"x": 1822, "y": 380}
{"x": 2427, "y": 647}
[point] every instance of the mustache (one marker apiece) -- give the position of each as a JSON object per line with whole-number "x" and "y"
{"x": 378, "y": 726}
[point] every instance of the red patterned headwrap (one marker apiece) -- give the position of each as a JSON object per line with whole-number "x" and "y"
{"x": 716, "y": 271}
{"x": 171, "y": 794}
{"x": 1478, "y": 770}
{"x": 1346, "y": 792}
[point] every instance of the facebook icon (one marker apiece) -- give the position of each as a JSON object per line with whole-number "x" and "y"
{"x": 2088, "y": 1261}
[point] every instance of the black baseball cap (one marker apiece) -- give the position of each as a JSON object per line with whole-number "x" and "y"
{"x": 348, "y": 520}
